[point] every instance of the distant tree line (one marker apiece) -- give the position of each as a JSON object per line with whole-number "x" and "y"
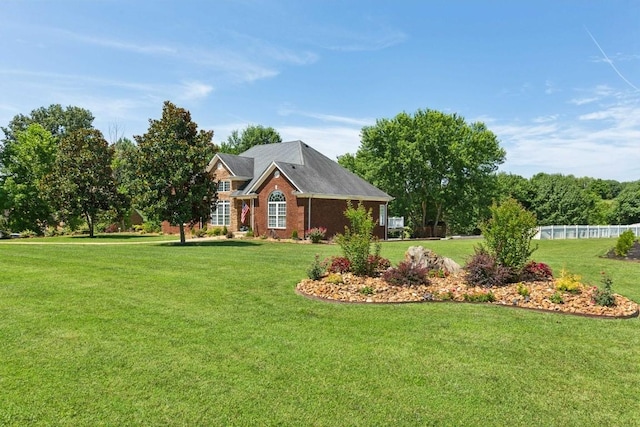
{"x": 57, "y": 170}
{"x": 558, "y": 199}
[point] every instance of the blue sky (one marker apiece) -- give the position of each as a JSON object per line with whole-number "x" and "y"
{"x": 557, "y": 81}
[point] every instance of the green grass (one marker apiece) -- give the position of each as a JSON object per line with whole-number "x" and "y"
{"x": 212, "y": 333}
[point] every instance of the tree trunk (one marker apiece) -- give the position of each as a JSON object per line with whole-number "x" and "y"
{"x": 182, "y": 239}
{"x": 89, "y": 223}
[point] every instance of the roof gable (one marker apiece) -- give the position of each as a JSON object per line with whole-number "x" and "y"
{"x": 311, "y": 172}
{"x": 237, "y": 166}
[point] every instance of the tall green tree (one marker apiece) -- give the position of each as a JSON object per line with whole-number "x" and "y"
{"x": 252, "y": 135}
{"x": 57, "y": 122}
{"x": 172, "y": 159}
{"x": 82, "y": 182}
{"x": 512, "y": 186}
{"x": 29, "y": 159}
{"x": 435, "y": 165}
{"x": 54, "y": 118}
{"x": 626, "y": 207}
{"x": 561, "y": 200}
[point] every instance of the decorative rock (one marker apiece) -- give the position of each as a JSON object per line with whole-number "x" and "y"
{"x": 426, "y": 258}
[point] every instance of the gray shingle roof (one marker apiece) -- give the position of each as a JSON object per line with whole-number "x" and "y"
{"x": 310, "y": 171}
{"x": 238, "y": 166}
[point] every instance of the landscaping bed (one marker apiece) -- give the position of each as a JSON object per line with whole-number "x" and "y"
{"x": 356, "y": 289}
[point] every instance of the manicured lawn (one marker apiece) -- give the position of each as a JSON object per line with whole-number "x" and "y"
{"x": 213, "y": 334}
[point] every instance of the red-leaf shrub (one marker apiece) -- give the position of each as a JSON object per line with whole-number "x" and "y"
{"x": 339, "y": 264}
{"x": 484, "y": 270}
{"x": 376, "y": 265}
{"x": 533, "y": 271}
{"x": 405, "y": 274}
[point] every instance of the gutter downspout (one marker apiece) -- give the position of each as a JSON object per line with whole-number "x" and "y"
{"x": 253, "y": 224}
{"x": 309, "y": 213}
{"x": 386, "y": 221}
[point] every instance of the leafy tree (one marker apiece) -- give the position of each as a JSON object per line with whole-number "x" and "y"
{"x": 25, "y": 210}
{"x": 626, "y": 208}
{"x": 561, "y": 200}
{"x": 82, "y": 183}
{"x": 252, "y": 135}
{"x": 606, "y": 189}
{"x": 29, "y": 159}
{"x": 55, "y": 119}
{"x": 123, "y": 166}
{"x": 512, "y": 186}
{"x": 435, "y": 165}
{"x": 172, "y": 159}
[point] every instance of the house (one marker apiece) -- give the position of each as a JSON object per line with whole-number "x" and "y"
{"x": 276, "y": 189}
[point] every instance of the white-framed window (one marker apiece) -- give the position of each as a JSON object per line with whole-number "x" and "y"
{"x": 277, "y": 210}
{"x": 383, "y": 215}
{"x": 220, "y": 215}
{"x": 224, "y": 185}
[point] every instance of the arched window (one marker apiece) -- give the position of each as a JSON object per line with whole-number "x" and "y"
{"x": 277, "y": 207}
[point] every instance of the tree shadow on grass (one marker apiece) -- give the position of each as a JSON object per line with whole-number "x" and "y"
{"x": 114, "y": 236}
{"x": 217, "y": 243}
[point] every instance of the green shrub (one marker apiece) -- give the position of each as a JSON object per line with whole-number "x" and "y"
{"x": 406, "y": 274}
{"x": 483, "y": 270}
{"x": 480, "y": 297}
{"x": 28, "y": 233}
{"x": 316, "y": 270}
{"x": 51, "y": 231}
{"x": 249, "y": 233}
{"x": 224, "y": 231}
{"x": 357, "y": 240}
{"x": 294, "y": 235}
{"x": 151, "y": 227}
{"x": 446, "y": 295}
{"x": 605, "y": 295}
{"x": 367, "y": 290}
{"x": 556, "y": 298}
{"x": 508, "y": 234}
{"x": 624, "y": 243}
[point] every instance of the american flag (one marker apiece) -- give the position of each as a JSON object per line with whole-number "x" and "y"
{"x": 245, "y": 211}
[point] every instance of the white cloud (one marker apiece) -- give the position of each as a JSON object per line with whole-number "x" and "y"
{"x": 153, "y": 49}
{"x": 194, "y": 90}
{"x": 546, "y": 119}
{"x": 287, "y": 111}
{"x": 550, "y": 88}
{"x": 583, "y": 101}
{"x": 586, "y": 146}
{"x": 375, "y": 36}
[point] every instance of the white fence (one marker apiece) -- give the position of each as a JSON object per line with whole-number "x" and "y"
{"x": 583, "y": 231}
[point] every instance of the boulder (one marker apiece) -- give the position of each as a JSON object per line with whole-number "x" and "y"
{"x": 426, "y": 258}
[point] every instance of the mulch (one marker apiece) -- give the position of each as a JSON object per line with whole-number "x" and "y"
{"x": 363, "y": 290}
